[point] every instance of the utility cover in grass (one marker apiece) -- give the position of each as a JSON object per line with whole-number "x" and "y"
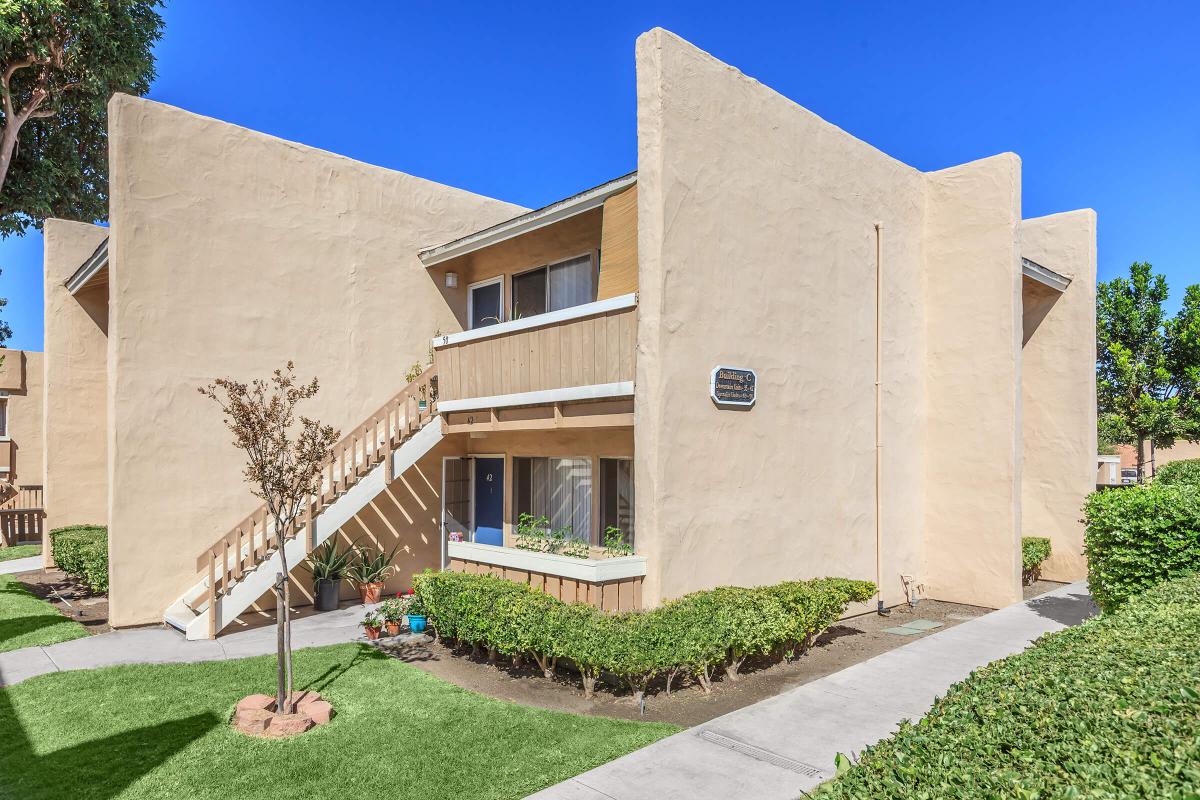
{"x": 903, "y": 631}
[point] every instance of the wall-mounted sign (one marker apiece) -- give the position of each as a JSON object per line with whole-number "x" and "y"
{"x": 733, "y": 386}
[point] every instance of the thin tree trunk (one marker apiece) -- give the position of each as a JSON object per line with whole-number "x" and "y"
{"x": 8, "y": 144}
{"x": 280, "y": 643}
{"x": 287, "y": 639}
{"x": 1141, "y": 459}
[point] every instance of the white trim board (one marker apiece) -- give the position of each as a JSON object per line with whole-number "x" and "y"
{"x": 1044, "y": 275}
{"x": 530, "y": 221}
{"x": 597, "y": 391}
{"x": 578, "y": 569}
{"x": 97, "y": 261}
{"x": 618, "y": 303}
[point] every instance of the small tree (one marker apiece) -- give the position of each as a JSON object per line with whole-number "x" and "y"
{"x": 1147, "y": 365}
{"x": 283, "y": 468}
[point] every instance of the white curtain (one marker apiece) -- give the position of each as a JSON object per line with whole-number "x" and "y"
{"x": 571, "y": 283}
{"x": 562, "y": 492}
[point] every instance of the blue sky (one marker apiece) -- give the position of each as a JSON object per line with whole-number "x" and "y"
{"x": 531, "y": 102}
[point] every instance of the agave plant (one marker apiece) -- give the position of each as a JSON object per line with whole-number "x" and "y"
{"x": 371, "y": 565}
{"x": 328, "y": 563}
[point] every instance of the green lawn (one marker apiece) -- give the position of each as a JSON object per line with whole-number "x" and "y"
{"x": 20, "y": 551}
{"x": 26, "y": 621}
{"x": 161, "y": 731}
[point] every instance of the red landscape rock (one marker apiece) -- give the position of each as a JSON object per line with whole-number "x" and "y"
{"x": 319, "y": 711}
{"x": 255, "y": 715}
{"x": 288, "y": 724}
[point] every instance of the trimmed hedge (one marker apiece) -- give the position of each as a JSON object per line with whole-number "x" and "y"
{"x": 694, "y": 635}
{"x": 82, "y": 552}
{"x": 1140, "y": 536}
{"x": 1179, "y": 472}
{"x": 1034, "y": 550}
{"x": 1109, "y": 708}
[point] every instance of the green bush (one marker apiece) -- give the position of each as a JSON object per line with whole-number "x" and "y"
{"x": 693, "y": 635}
{"x": 1109, "y": 708}
{"x": 1139, "y": 536}
{"x": 1179, "y": 472}
{"x": 82, "y": 552}
{"x": 1034, "y": 550}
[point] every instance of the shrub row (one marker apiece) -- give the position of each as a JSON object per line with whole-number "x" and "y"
{"x": 1109, "y": 708}
{"x": 1140, "y": 536}
{"x": 82, "y": 551}
{"x": 695, "y": 635}
{"x": 1179, "y": 472}
{"x": 1034, "y": 550}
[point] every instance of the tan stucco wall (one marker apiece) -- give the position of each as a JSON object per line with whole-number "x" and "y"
{"x": 756, "y": 246}
{"x": 75, "y": 370}
{"x": 973, "y": 348}
{"x": 1058, "y": 385}
{"x": 231, "y": 252}
{"x": 1162, "y": 455}
{"x": 23, "y": 380}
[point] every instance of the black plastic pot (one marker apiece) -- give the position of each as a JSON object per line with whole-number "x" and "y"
{"x": 327, "y": 595}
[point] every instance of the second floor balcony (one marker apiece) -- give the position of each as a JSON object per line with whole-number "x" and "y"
{"x": 556, "y": 361}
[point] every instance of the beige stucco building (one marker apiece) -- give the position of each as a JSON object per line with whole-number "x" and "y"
{"x": 21, "y": 446}
{"x": 770, "y": 352}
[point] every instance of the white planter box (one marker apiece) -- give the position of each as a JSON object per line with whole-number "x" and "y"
{"x": 578, "y": 569}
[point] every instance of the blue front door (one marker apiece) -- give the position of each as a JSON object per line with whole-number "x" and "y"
{"x": 489, "y": 501}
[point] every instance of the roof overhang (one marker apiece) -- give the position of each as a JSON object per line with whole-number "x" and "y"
{"x": 531, "y": 221}
{"x": 1044, "y": 275}
{"x": 89, "y": 269}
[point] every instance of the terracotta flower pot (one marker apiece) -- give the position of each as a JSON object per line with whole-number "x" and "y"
{"x": 372, "y": 633}
{"x": 393, "y": 628}
{"x": 370, "y": 592}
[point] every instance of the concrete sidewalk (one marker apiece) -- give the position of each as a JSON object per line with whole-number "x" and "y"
{"x": 166, "y": 646}
{"x": 20, "y": 565}
{"x": 787, "y": 744}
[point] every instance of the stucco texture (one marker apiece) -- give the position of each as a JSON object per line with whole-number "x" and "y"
{"x": 756, "y": 243}
{"x": 1058, "y": 384}
{"x": 75, "y": 379}
{"x": 232, "y": 252}
{"x": 23, "y": 381}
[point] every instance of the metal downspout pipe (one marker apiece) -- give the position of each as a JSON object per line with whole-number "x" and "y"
{"x": 879, "y": 416}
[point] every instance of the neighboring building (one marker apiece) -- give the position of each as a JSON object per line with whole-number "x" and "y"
{"x": 689, "y": 354}
{"x": 1108, "y": 470}
{"x": 20, "y": 446}
{"x": 1156, "y": 457}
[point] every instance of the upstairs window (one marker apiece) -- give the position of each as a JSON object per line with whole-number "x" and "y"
{"x": 555, "y": 287}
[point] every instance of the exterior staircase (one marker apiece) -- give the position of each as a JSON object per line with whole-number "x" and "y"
{"x": 237, "y": 569}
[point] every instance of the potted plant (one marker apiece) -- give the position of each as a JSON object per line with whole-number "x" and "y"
{"x": 369, "y": 570}
{"x": 417, "y": 617}
{"x": 372, "y": 624}
{"x": 394, "y": 609}
{"x": 328, "y": 566}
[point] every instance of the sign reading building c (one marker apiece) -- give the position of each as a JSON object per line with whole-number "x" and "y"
{"x": 733, "y": 386}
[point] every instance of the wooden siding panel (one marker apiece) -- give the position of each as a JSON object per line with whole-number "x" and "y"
{"x": 618, "y": 245}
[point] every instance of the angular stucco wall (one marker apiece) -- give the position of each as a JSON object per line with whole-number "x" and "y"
{"x": 756, "y": 246}
{"x": 232, "y": 252}
{"x": 972, "y": 449}
{"x": 75, "y": 379}
{"x": 1058, "y": 385}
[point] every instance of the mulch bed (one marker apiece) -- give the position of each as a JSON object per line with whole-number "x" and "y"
{"x": 72, "y": 598}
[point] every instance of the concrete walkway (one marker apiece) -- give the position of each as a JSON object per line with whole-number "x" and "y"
{"x": 166, "y": 646}
{"x": 782, "y": 746}
{"x": 20, "y": 565}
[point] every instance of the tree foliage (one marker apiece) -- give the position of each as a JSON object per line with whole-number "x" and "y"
{"x": 283, "y": 467}
{"x": 60, "y": 62}
{"x": 1147, "y": 364}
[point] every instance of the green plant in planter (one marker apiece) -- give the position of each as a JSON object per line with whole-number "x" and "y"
{"x": 373, "y": 621}
{"x": 615, "y": 544}
{"x": 328, "y": 565}
{"x": 575, "y": 548}
{"x": 370, "y": 569}
{"x": 394, "y": 608}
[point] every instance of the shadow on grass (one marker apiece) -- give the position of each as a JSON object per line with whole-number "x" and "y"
{"x": 19, "y": 626}
{"x": 335, "y": 671}
{"x": 99, "y": 769}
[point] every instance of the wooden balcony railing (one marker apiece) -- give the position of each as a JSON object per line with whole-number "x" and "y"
{"x": 21, "y": 516}
{"x": 581, "y": 346}
{"x": 23, "y": 497}
{"x": 254, "y": 539}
